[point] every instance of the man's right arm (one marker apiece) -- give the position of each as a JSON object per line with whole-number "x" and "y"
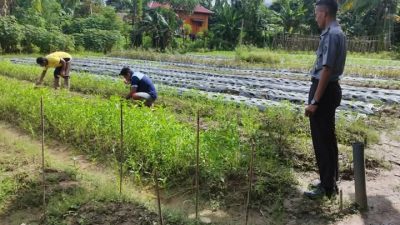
{"x": 134, "y": 87}
{"x": 132, "y": 92}
{"x": 40, "y": 81}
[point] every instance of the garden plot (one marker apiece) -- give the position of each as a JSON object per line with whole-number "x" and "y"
{"x": 256, "y": 87}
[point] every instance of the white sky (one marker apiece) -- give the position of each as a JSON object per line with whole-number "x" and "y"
{"x": 268, "y": 2}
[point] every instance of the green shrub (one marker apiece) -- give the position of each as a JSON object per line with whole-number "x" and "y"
{"x": 98, "y": 40}
{"x": 147, "y": 42}
{"x": 29, "y": 17}
{"x": 55, "y": 41}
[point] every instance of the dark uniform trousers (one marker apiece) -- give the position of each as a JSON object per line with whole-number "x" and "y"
{"x": 322, "y": 124}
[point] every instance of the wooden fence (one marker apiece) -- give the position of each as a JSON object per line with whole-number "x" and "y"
{"x": 310, "y": 43}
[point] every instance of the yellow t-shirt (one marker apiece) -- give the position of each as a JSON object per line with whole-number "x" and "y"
{"x": 54, "y": 58}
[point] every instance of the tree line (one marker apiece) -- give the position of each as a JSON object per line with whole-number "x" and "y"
{"x": 95, "y": 25}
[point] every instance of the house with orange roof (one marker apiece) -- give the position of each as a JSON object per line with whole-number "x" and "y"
{"x": 198, "y": 19}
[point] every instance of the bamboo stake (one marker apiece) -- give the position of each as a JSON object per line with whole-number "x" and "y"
{"x": 158, "y": 197}
{"x": 250, "y": 180}
{"x": 121, "y": 151}
{"x": 341, "y": 200}
{"x": 197, "y": 163}
{"x": 43, "y": 165}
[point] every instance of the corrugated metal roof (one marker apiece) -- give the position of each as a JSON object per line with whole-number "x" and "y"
{"x": 197, "y": 9}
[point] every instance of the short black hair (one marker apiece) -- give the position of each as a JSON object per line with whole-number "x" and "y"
{"x": 332, "y": 6}
{"x": 125, "y": 71}
{"x": 40, "y": 60}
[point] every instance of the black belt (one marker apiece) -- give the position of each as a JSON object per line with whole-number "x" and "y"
{"x": 313, "y": 79}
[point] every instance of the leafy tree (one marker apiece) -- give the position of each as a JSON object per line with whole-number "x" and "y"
{"x": 374, "y": 18}
{"x": 106, "y": 19}
{"x": 10, "y": 34}
{"x": 29, "y": 17}
{"x": 256, "y": 20}
{"x": 98, "y": 40}
{"x": 269, "y": 26}
{"x": 88, "y": 7}
{"x": 206, "y": 3}
{"x": 137, "y": 16}
{"x": 226, "y": 27}
{"x": 309, "y": 26}
{"x": 120, "y": 5}
{"x": 69, "y": 6}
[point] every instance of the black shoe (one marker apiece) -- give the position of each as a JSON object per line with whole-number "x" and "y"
{"x": 314, "y": 184}
{"x": 317, "y": 193}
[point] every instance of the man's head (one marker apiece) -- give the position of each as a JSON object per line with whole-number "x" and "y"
{"x": 126, "y": 72}
{"x": 325, "y": 12}
{"x": 42, "y": 61}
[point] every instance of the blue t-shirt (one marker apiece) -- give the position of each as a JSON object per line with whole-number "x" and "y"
{"x": 143, "y": 83}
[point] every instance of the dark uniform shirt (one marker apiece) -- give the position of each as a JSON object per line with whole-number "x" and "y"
{"x": 331, "y": 52}
{"x": 143, "y": 83}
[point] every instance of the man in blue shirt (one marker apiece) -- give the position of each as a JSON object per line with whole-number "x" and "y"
{"x": 325, "y": 96}
{"x": 142, "y": 88}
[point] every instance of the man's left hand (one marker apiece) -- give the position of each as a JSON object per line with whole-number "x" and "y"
{"x": 310, "y": 110}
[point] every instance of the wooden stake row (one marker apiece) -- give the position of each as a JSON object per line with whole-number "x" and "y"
{"x": 120, "y": 159}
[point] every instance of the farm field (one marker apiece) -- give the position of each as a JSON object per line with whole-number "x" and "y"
{"x": 241, "y": 108}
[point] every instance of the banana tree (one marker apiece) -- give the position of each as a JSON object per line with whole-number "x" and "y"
{"x": 291, "y": 12}
{"x": 226, "y": 28}
{"x": 161, "y": 25}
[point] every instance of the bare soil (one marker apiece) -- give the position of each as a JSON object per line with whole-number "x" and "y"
{"x": 383, "y": 191}
{"x": 94, "y": 213}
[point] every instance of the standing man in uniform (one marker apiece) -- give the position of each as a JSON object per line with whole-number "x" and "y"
{"x": 142, "y": 88}
{"x": 61, "y": 61}
{"x": 325, "y": 96}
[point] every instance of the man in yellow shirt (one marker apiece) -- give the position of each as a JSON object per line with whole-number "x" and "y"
{"x": 61, "y": 61}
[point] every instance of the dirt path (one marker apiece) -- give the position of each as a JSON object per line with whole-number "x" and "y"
{"x": 383, "y": 191}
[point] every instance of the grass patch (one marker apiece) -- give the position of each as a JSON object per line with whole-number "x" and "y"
{"x": 265, "y": 57}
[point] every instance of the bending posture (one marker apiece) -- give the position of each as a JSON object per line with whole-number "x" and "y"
{"x": 61, "y": 61}
{"x": 142, "y": 88}
{"x": 324, "y": 97}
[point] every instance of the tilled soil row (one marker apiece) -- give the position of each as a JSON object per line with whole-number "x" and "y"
{"x": 239, "y": 87}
